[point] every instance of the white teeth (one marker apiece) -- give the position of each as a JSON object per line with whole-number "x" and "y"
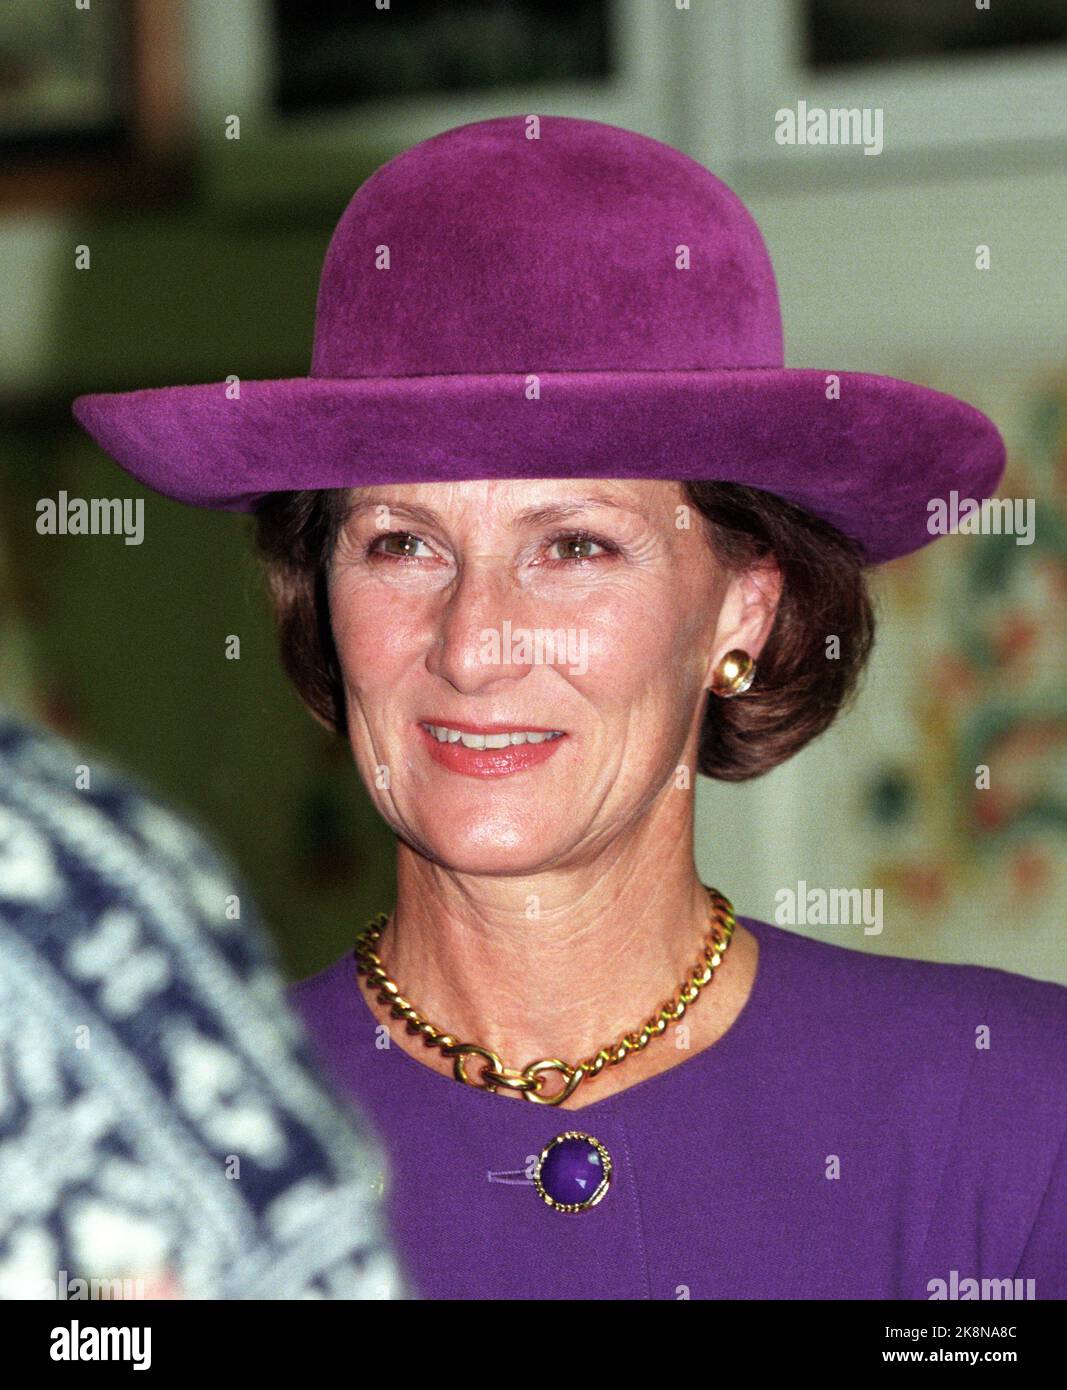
{"x": 445, "y": 735}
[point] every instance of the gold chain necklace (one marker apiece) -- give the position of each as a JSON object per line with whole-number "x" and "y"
{"x": 530, "y": 1080}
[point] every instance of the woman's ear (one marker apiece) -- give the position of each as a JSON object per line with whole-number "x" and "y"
{"x": 748, "y": 611}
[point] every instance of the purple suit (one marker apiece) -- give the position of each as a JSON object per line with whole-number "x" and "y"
{"x": 848, "y": 1137}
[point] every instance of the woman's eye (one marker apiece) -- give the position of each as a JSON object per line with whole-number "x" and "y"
{"x": 573, "y": 547}
{"x": 401, "y": 545}
{"x": 576, "y": 547}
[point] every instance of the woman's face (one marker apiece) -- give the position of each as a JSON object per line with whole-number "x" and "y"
{"x": 586, "y": 609}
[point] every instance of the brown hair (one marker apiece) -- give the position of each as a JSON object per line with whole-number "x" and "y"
{"x": 799, "y": 687}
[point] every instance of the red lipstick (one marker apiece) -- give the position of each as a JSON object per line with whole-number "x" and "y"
{"x": 488, "y": 762}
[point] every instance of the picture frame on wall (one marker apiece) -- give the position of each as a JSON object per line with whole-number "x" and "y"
{"x": 328, "y": 92}
{"x": 330, "y": 56}
{"x": 945, "y": 77}
{"x": 91, "y": 99}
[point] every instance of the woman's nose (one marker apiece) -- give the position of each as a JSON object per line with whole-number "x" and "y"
{"x": 475, "y": 642}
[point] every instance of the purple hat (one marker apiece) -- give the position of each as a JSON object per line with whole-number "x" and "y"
{"x": 557, "y": 298}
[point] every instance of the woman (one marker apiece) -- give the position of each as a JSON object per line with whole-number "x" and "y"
{"x": 549, "y": 529}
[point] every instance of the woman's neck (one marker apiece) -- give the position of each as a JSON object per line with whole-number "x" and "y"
{"x": 559, "y": 964}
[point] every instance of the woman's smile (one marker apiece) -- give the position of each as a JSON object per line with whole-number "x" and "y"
{"x": 488, "y": 750}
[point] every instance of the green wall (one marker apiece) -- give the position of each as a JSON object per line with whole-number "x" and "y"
{"x": 124, "y": 646}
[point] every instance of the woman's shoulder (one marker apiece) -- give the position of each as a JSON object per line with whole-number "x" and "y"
{"x": 1020, "y": 1018}
{"x": 324, "y": 1000}
{"x": 322, "y": 981}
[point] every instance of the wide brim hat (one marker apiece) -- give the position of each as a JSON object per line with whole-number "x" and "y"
{"x": 557, "y": 298}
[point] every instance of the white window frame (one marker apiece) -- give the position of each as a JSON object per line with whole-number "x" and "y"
{"x": 642, "y": 95}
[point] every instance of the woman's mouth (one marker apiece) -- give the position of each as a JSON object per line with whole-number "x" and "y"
{"x": 488, "y": 750}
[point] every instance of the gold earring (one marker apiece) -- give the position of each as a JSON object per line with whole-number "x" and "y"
{"x": 733, "y": 675}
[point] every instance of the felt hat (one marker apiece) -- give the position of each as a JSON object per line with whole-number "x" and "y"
{"x": 557, "y": 298}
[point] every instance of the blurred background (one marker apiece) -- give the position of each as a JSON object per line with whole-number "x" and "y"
{"x": 202, "y": 150}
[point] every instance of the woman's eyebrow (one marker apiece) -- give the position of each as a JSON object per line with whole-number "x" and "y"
{"x": 529, "y": 516}
{"x": 558, "y": 511}
{"x": 426, "y": 515}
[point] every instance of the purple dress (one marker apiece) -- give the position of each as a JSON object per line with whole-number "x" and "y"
{"x": 869, "y": 1127}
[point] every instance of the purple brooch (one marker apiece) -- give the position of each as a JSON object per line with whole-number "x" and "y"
{"x": 573, "y": 1171}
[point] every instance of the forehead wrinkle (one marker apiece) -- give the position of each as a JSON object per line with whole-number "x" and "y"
{"x": 359, "y": 505}
{"x": 528, "y": 516}
{"x": 558, "y": 511}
